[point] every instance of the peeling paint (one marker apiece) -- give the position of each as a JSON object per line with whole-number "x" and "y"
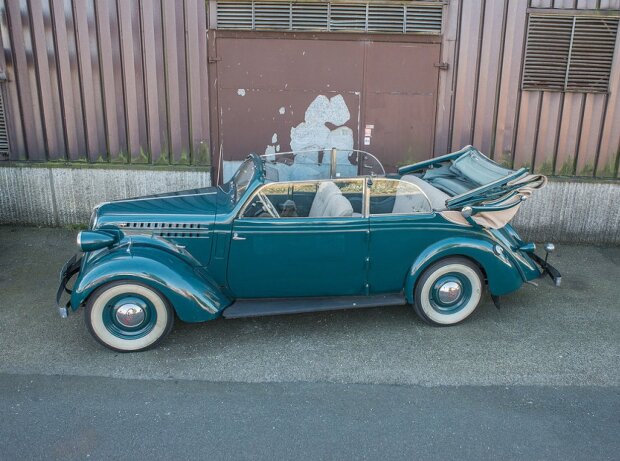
{"x": 241, "y": 92}
{"x": 269, "y": 151}
{"x": 282, "y": 110}
{"x": 274, "y": 138}
{"x": 312, "y": 133}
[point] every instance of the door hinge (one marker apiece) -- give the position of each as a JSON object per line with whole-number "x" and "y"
{"x": 213, "y": 59}
{"x": 442, "y": 65}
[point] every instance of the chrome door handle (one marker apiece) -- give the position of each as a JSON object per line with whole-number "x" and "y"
{"x": 236, "y": 237}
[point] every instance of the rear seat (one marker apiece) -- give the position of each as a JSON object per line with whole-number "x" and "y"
{"x": 329, "y": 202}
{"x": 435, "y": 196}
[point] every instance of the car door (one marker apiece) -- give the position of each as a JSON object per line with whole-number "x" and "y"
{"x": 402, "y": 225}
{"x": 301, "y": 252}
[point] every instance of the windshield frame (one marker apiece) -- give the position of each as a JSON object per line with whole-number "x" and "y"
{"x": 246, "y": 174}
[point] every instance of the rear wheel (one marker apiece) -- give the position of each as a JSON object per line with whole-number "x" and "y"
{"x": 448, "y": 291}
{"x": 128, "y": 316}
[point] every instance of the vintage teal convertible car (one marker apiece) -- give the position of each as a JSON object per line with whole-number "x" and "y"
{"x": 301, "y": 232}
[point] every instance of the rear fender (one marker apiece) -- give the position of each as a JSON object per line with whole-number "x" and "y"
{"x": 502, "y": 275}
{"x": 192, "y": 294}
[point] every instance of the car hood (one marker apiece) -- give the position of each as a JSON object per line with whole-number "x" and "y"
{"x": 196, "y": 205}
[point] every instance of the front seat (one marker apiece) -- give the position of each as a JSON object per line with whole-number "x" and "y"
{"x": 338, "y": 207}
{"x": 323, "y": 194}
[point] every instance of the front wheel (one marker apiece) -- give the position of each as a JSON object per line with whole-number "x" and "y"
{"x": 128, "y": 316}
{"x": 448, "y": 291}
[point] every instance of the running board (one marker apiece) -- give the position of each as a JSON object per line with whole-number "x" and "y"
{"x": 280, "y": 306}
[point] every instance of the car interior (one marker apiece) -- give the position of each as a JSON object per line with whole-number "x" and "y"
{"x": 337, "y": 198}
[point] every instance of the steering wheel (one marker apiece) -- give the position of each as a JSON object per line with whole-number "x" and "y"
{"x": 268, "y": 206}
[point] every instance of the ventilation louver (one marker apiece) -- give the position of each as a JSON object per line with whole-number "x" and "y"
{"x": 569, "y": 53}
{"x": 4, "y": 134}
{"x": 400, "y": 17}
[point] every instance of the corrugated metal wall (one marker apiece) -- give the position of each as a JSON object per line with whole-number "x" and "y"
{"x": 106, "y": 80}
{"x": 126, "y": 81}
{"x": 553, "y": 132}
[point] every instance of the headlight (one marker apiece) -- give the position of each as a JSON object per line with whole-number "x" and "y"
{"x": 95, "y": 240}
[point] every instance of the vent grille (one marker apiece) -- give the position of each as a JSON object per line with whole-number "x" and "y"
{"x": 401, "y": 17}
{"x": 569, "y": 53}
{"x": 162, "y": 229}
{"x": 4, "y": 134}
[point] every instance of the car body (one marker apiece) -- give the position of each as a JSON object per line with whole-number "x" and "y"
{"x": 302, "y": 232}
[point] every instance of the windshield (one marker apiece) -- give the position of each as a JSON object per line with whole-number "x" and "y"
{"x": 241, "y": 179}
{"x": 321, "y": 164}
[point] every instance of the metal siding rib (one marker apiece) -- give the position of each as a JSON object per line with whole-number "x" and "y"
{"x": 446, "y": 79}
{"x": 527, "y": 128}
{"x": 11, "y": 101}
{"x": 467, "y": 75}
{"x": 204, "y": 101}
{"x": 609, "y": 149}
{"x": 132, "y": 112}
{"x": 68, "y": 105}
{"x": 568, "y": 138}
{"x": 54, "y": 145}
{"x": 147, "y": 20}
{"x": 590, "y": 132}
{"x": 29, "y": 105}
{"x": 193, "y": 72}
{"x": 488, "y": 75}
{"x": 509, "y": 84}
{"x": 172, "y": 79}
{"x": 586, "y": 4}
{"x": 108, "y": 79}
{"x": 547, "y": 132}
{"x": 82, "y": 40}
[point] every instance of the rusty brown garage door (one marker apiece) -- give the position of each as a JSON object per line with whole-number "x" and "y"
{"x": 282, "y": 91}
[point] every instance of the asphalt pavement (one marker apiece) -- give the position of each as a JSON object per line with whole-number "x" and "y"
{"x": 538, "y": 379}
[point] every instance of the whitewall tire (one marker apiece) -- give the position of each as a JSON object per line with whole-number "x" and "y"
{"x": 448, "y": 291}
{"x": 128, "y": 316}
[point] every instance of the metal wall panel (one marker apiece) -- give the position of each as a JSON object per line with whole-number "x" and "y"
{"x": 106, "y": 80}
{"x": 126, "y": 81}
{"x": 560, "y": 133}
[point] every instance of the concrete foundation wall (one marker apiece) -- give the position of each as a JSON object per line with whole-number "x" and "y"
{"x": 565, "y": 211}
{"x": 66, "y": 196}
{"x": 572, "y": 211}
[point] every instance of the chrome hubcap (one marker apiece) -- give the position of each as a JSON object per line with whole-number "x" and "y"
{"x": 130, "y": 315}
{"x": 449, "y": 292}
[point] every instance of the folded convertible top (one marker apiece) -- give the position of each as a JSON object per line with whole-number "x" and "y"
{"x": 491, "y": 192}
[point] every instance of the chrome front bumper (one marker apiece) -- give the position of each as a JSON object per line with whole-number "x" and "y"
{"x": 70, "y": 268}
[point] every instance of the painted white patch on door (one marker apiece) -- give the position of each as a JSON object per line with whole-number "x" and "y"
{"x": 312, "y": 133}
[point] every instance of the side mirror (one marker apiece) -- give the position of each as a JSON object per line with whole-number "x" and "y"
{"x": 549, "y": 247}
{"x": 466, "y": 212}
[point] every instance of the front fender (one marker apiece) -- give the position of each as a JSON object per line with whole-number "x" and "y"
{"x": 192, "y": 294}
{"x": 502, "y": 275}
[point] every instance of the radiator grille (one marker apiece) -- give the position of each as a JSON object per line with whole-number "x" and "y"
{"x": 569, "y": 53}
{"x": 398, "y": 17}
